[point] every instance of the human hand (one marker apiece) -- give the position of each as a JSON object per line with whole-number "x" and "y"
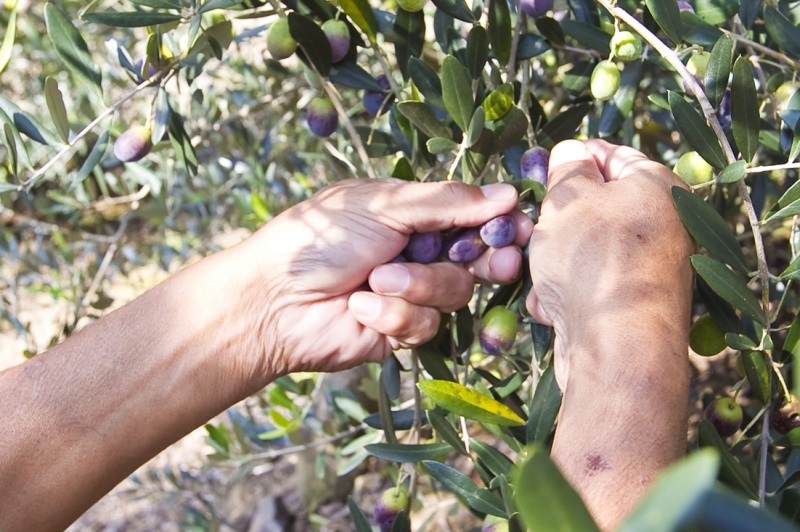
{"x": 608, "y": 246}
{"x": 318, "y": 258}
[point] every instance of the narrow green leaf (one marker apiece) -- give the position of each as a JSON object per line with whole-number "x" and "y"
{"x": 361, "y": 13}
{"x": 458, "y": 9}
{"x": 423, "y": 117}
{"x": 728, "y": 286}
{"x": 27, "y": 124}
{"x": 531, "y": 45}
{"x": 563, "y": 126}
{"x": 676, "y": 494}
{"x": 697, "y": 30}
{"x": 457, "y": 92}
{"x": 782, "y": 30}
{"x": 351, "y": 75}
{"x": 668, "y": 16}
{"x": 8, "y": 141}
{"x": 744, "y": 109}
{"x": 721, "y": 510}
{"x": 792, "y": 342}
{"x": 409, "y": 37}
{"x": 544, "y": 408}
{"x": 15, "y": 142}
{"x": 500, "y": 30}
{"x": 360, "y": 520}
{"x": 710, "y": 230}
{"x": 161, "y": 111}
{"x": 499, "y": 101}
{"x": 476, "y": 126}
{"x": 716, "y": 12}
{"x": 719, "y": 70}
{"x": 477, "y": 50}
{"x": 158, "y": 4}
{"x": 55, "y": 104}
{"x": 210, "y": 5}
{"x": 312, "y": 41}
{"x": 408, "y": 453}
{"x": 510, "y": 129}
{"x": 492, "y": 459}
{"x": 8, "y": 40}
{"x": 731, "y": 470}
{"x": 446, "y": 430}
{"x": 385, "y": 411}
{"x": 696, "y": 131}
{"x": 792, "y": 271}
{"x": 469, "y": 403}
{"x": 757, "y": 375}
{"x": 427, "y": 81}
{"x": 545, "y": 499}
{"x": 440, "y": 145}
{"x": 390, "y": 376}
{"x": 733, "y": 172}
{"x": 95, "y": 156}
{"x": 739, "y": 341}
{"x": 131, "y": 19}
{"x": 71, "y": 48}
{"x": 787, "y": 205}
{"x": 587, "y": 34}
{"x": 478, "y": 499}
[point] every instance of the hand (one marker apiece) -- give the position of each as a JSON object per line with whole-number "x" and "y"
{"x": 608, "y": 245}
{"x": 319, "y": 257}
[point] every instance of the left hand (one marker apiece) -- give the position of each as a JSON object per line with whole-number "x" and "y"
{"x": 318, "y": 258}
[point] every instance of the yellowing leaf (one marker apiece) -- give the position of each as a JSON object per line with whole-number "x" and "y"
{"x": 469, "y": 403}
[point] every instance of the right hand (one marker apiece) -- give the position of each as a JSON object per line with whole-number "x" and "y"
{"x": 608, "y": 244}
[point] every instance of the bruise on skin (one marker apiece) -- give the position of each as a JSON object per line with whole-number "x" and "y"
{"x": 595, "y": 463}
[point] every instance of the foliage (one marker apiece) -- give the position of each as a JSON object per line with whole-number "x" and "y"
{"x": 470, "y": 88}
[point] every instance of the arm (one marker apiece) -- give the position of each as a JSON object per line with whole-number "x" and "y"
{"x": 618, "y": 293}
{"x": 85, "y": 414}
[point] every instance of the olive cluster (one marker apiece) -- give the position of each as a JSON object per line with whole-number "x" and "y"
{"x": 321, "y": 115}
{"x": 604, "y": 83}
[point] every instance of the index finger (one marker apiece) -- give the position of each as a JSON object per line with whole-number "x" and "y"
{"x": 619, "y": 162}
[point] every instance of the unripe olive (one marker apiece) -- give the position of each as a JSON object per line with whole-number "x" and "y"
{"x": 498, "y": 330}
{"x": 725, "y": 414}
{"x": 534, "y": 164}
{"x": 133, "y": 144}
{"x": 626, "y": 46}
{"x": 693, "y": 169}
{"x": 705, "y": 337}
{"x": 698, "y": 64}
{"x": 412, "y": 6}
{"x": 535, "y": 8}
{"x": 391, "y": 502}
{"x": 784, "y": 93}
{"x": 280, "y": 42}
{"x": 604, "y": 81}
{"x": 321, "y": 117}
{"x": 338, "y": 35}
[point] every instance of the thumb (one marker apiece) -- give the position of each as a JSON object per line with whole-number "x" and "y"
{"x": 570, "y": 159}
{"x": 438, "y": 206}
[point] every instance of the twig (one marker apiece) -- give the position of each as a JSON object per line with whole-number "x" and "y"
{"x": 8, "y": 216}
{"x": 762, "y": 466}
{"x": 769, "y": 168}
{"x": 740, "y": 40}
{"x": 511, "y": 67}
{"x": 272, "y": 455}
{"x": 102, "y": 269}
{"x": 454, "y": 166}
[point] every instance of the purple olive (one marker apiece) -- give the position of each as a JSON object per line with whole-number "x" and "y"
{"x": 391, "y": 502}
{"x": 536, "y": 8}
{"x": 321, "y": 117}
{"x": 464, "y": 245}
{"x": 379, "y": 101}
{"x": 133, "y": 144}
{"x": 786, "y": 414}
{"x": 498, "y": 330}
{"x": 338, "y": 35}
{"x": 423, "y": 248}
{"x": 724, "y": 110}
{"x": 499, "y": 232}
{"x": 534, "y": 163}
{"x": 683, "y": 5}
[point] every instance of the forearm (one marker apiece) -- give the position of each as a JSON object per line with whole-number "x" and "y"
{"x": 625, "y": 409}
{"x": 85, "y": 414}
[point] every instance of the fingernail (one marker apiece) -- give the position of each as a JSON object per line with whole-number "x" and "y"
{"x": 499, "y": 192}
{"x": 365, "y": 305}
{"x": 504, "y": 264}
{"x": 390, "y": 279}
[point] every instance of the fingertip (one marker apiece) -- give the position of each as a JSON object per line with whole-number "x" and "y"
{"x": 524, "y": 228}
{"x": 569, "y": 151}
{"x": 571, "y": 159}
{"x": 501, "y": 266}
